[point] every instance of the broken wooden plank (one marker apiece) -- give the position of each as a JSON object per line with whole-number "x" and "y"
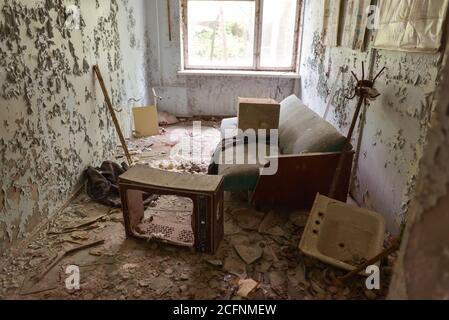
{"x": 66, "y": 254}
{"x": 114, "y": 116}
{"x": 82, "y": 226}
{"x": 300, "y": 178}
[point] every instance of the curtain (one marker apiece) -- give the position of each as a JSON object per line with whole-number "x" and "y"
{"x": 411, "y": 25}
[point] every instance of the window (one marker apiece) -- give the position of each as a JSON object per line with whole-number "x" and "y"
{"x": 255, "y": 35}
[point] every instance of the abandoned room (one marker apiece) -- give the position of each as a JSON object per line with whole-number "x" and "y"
{"x": 224, "y": 150}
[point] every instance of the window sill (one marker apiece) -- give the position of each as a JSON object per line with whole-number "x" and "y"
{"x": 241, "y": 73}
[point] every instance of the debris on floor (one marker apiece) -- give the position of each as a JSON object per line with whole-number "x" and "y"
{"x": 167, "y": 119}
{"x": 165, "y": 151}
{"x": 246, "y": 287}
{"x": 249, "y": 264}
{"x": 168, "y": 219}
{"x": 128, "y": 269}
{"x": 102, "y": 184}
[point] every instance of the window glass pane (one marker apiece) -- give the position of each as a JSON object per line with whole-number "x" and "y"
{"x": 221, "y": 33}
{"x": 278, "y": 32}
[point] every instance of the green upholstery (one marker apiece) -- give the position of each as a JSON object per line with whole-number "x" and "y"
{"x": 301, "y": 131}
{"x": 244, "y": 176}
{"x": 240, "y": 179}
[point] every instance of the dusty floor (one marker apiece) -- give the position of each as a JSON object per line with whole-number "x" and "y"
{"x": 129, "y": 269}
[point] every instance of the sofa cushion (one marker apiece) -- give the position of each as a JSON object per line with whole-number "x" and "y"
{"x": 301, "y": 130}
{"x": 240, "y": 165}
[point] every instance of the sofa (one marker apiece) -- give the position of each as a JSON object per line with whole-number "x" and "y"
{"x": 309, "y": 151}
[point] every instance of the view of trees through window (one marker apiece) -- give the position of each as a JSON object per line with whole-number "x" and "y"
{"x": 222, "y": 34}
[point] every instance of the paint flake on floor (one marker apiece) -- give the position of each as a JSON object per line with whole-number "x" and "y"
{"x": 130, "y": 269}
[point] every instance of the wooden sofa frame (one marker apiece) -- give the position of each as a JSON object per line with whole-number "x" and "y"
{"x": 300, "y": 178}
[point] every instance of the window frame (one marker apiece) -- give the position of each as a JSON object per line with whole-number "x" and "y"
{"x": 257, "y": 42}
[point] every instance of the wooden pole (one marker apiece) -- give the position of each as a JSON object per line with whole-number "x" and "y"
{"x": 114, "y": 116}
{"x": 346, "y": 149}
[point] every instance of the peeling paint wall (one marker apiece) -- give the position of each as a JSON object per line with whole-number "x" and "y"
{"x": 393, "y": 130}
{"x": 54, "y": 121}
{"x": 198, "y": 95}
{"x": 422, "y": 270}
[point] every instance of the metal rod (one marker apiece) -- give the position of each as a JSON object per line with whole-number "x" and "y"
{"x": 379, "y": 74}
{"x": 372, "y": 261}
{"x": 363, "y": 71}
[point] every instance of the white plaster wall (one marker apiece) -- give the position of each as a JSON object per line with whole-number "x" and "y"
{"x": 419, "y": 247}
{"x": 198, "y": 95}
{"x": 53, "y": 119}
{"x": 391, "y": 139}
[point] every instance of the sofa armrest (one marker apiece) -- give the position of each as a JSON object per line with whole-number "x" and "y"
{"x": 300, "y": 178}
